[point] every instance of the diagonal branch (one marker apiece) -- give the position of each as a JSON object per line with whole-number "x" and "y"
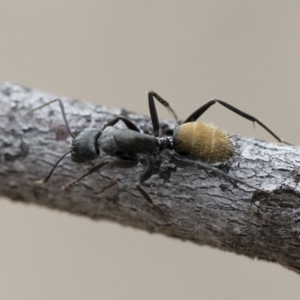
{"x": 193, "y": 205}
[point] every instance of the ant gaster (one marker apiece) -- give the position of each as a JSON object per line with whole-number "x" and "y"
{"x": 191, "y": 140}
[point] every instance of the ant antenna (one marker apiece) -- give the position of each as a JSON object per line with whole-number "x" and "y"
{"x": 53, "y": 168}
{"x": 62, "y": 111}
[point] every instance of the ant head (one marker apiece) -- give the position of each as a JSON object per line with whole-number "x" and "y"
{"x": 84, "y": 146}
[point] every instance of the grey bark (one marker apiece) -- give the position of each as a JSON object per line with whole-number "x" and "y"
{"x": 194, "y": 205}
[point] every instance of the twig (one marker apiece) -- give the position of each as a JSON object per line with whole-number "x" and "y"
{"x": 194, "y": 205}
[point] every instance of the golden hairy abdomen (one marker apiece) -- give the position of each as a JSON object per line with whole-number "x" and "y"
{"x": 202, "y": 141}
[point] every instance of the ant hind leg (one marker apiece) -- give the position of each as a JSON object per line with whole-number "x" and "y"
{"x": 197, "y": 113}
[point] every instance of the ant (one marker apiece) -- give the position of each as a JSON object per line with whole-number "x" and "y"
{"x": 193, "y": 142}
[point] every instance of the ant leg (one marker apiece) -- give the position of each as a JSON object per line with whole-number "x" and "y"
{"x": 152, "y": 95}
{"x": 62, "y": 108}
{"x": 196, "y": 114}
{"x": 92, "y": 170}
{"x": 208, "y": 167}
{"x": 130, "y": 125}
{"x": 145, "y": 176}
{"x": 153, "y": 112}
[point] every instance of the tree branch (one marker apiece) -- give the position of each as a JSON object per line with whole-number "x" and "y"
{"x": 194, "y": 205}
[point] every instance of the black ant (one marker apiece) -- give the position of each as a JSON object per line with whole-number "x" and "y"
{"x": 191, "y": 141}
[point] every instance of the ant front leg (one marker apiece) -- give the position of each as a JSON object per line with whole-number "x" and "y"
{"x": 112, "y": 164}
{"x": 92, "y": 170}
{"x": 130, "y": 125}
{"x": 197, "y": 113}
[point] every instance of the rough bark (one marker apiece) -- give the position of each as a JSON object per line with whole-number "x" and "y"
{"x": 194, "y": 205}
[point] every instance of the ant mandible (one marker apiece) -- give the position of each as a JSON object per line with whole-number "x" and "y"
{"x": 200, "y": 142}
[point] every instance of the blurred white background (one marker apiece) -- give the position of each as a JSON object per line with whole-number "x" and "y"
{"x": 112, "y": 53}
